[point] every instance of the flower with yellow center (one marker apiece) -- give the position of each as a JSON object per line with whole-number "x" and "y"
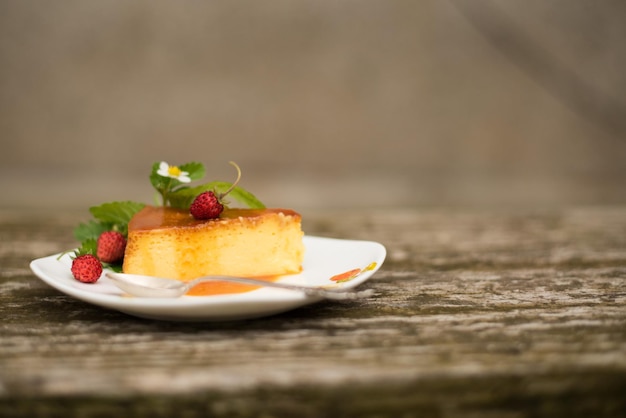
{"x": 172, "y": 171}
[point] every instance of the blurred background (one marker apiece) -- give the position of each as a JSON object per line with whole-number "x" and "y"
{"x": 323, "y": 103}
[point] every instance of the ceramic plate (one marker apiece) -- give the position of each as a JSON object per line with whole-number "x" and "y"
{"x": 324, "y": 260}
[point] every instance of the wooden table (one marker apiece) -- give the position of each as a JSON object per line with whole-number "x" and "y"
{"x": 476, "y": 313}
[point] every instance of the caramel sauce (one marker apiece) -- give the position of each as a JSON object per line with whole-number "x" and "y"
{"x": 155, "y": 217}
{"x": 222, "y": 288}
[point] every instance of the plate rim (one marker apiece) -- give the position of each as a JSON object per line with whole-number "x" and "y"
{"x": 174, "y": 309}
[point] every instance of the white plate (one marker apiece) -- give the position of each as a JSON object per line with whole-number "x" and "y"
{"x": 324, "y": 258}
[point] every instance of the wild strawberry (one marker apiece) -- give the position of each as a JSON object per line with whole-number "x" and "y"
{"x": 206, "y": 206}
{"x": 86, "y": 268}
{"x": 111, "y": 246}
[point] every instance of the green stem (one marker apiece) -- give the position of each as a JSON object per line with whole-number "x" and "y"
{"x": 165, "y": 192}
{"x": 230, "y": 189}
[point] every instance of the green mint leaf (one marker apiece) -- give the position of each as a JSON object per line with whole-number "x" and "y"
{"x": 89, "y": 246}
{"x": 196, "y": 170}
{"x": 117, "y": 268}
{"x": 245, "y": 197}
{"x": 91, "y": 230}
{"x": 116, "y": 213}
{"x": 157, "y": 181}
{"x": 160, "y": 183}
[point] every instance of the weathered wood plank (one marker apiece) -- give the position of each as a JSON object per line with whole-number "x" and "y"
{"x": 495, "y": 314}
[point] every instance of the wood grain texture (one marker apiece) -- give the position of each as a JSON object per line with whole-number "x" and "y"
{"x": 476, "y": 314}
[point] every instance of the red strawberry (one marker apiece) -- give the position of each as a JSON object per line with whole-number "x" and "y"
{"x": 111, "y": 246}
{"x": 86, "y": 268}
{"x": 206, "y": 206}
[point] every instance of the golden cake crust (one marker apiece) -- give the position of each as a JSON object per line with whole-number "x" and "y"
{"x": 167, "y": 242}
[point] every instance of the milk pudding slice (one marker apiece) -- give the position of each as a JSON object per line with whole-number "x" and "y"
{"x": 167, "y": 242}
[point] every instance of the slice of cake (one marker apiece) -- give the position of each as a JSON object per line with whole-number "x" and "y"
{"x": 167, "y": 242}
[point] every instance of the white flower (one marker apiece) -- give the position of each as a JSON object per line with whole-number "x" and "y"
{"x": 172, "y": 171}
